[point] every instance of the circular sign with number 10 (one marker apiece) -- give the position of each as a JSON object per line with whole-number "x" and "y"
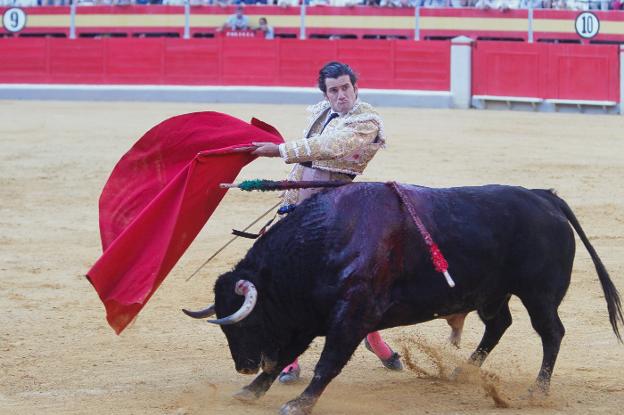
{"x": 587, "y": 25}
{"x": 14, "y": 19}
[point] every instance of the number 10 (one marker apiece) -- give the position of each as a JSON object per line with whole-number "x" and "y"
{"x": 588, "y": 24}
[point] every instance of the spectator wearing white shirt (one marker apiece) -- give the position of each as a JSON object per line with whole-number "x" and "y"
{"x": 237, "y": 21}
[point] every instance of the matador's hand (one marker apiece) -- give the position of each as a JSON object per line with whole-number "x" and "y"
{"x": 266, "y": 150}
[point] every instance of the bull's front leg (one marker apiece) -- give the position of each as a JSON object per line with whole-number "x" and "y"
{"x": 348, "y": 330}
{"x": 271, "y": 368}
{"x": 334, "y": 357}
{"x": 258, "y": 387}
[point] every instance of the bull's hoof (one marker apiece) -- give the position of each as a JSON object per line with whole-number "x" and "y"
{"x": 455, "y": 340}
{"x": 296, "y": 407}
{"x": 246, "y": 395}
{"x": 538, "y": 391}
{"x": 456, "y": 374}
{"x": 465, "y": 373}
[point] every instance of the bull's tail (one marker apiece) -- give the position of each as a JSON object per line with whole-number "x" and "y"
{"x": 614, "y": 305}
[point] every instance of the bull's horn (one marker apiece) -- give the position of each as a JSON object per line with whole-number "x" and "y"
{"x": 246, "y": 288}
{"x": 206, "y": 312}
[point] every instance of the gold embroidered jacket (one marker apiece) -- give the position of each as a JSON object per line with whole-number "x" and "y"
{"x": 344, "y": 147}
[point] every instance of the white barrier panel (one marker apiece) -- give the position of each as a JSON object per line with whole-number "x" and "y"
{"x": 461, "y": 72}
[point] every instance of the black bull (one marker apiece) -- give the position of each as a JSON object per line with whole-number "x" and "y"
{"x": 349, "y": 261}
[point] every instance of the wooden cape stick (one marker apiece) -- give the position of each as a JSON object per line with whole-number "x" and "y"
{"x": 232, "y": 240}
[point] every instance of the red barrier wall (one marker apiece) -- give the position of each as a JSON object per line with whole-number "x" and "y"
{"x": 580, "y": 72}
{"x": 587, "y": 72}
{"x": 222, "y": 61}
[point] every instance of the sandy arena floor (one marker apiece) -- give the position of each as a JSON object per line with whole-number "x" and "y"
{"x": 58, "y": 355}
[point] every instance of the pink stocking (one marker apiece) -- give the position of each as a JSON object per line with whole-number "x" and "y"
{"x": 380, "y": 348}
{"x": 293, "y": 366}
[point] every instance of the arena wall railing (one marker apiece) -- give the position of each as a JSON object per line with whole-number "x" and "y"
{"x": 360, "y": 22}
{"x": 460, "y": 73}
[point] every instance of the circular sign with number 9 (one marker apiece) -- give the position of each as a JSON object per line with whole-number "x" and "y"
{"x": 14, "y": 19}
{"x": 587, "y": 25}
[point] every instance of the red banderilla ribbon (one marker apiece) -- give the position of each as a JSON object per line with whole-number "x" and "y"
{"x": 439, "y": 262}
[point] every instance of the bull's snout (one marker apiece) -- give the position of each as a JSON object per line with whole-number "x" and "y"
{"x": 248, "y": 367}
{"x": 247, "y": 370}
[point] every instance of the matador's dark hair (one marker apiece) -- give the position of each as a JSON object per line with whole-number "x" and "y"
{"x": 334, "y": 70}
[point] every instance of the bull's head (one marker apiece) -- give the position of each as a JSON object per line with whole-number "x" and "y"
{"x": 235, "y": 300}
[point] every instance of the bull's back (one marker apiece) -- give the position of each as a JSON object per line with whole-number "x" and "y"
{"x": 492, "y": 236}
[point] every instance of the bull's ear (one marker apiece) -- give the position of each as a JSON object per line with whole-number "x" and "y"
{"x": 206, "y": 312}
{"x": 246, "y": 288}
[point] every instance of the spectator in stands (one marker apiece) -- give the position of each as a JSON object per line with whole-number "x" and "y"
{"x": 19, "y": 3}
{"x": 599, "y": 5}
{"x": 485, "y": 4}
{"x": 503, "y": 5}
{"x": 617, "y": 5}
{"x": 435, "y": 3}
{"x": 237, "y": 21}
{"x": 287, "y": 3}
{"x": 537, "y": 4}
{"x": 396, "y": 3}
{"x": 265, "y": 28}
{"x": 345, "y": 3}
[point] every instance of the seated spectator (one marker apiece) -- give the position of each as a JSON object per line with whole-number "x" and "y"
{"x": 537, "y": 4}
{"x": 498, "y": 4}
{"x": 287, "y": 3}
{"x": 617, "y": 5}
{"x": 599, "y": 5}
{"x": 237, "y": 21}
{"x": 265, "y": 28}
{"x": 345, "y": 3}
{"x": 570, "y": 4}
{"x": 484, "y": 4}
{"x": 436, "y": 3}
{"x": 19, "y": 3}
{"x": 395, "y": 3}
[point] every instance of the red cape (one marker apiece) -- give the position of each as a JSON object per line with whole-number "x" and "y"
{"x": 157, "y": 199}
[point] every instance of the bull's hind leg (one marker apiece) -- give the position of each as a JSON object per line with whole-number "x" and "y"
{"x": 456, "y": 321}
{"x": 546, "y": 322}
{"x": 497, "y": 319}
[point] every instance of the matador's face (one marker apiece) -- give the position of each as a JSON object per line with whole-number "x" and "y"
{"x": 341, "y": 94}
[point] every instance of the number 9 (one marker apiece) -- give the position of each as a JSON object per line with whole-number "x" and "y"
{"x": 13, "y": 19}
